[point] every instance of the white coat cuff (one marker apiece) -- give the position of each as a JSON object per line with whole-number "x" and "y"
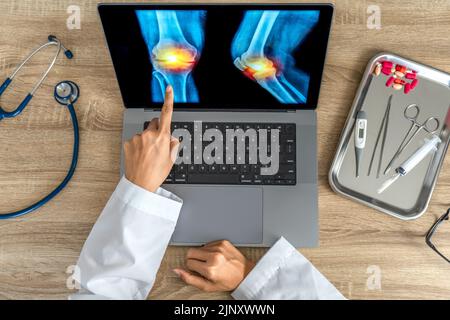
{"x": 266, "y": 268}
{"x": 162, "y": 203}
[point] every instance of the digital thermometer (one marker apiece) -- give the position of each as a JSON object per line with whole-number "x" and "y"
{"x": 360, "y": 137}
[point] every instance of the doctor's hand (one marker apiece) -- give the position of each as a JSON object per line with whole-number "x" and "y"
{"x": 217, "y": 266}
{"x": 149, "y": 156}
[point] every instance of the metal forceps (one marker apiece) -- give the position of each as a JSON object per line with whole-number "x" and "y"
{"x": 427, "y": 126}
{"x": 383, "y": 129}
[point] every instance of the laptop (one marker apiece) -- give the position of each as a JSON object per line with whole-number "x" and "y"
{"x": 246, "y": 82}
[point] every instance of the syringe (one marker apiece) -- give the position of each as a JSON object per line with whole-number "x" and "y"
{"x": 429, "y": 146}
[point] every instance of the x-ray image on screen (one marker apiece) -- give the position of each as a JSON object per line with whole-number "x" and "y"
{"x": 175, "y": 40}
{"x": 262, "y": 50}
{"x": 219, "y": 56}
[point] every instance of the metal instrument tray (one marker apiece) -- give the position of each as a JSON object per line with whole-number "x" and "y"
{"x": 409, "y": 196}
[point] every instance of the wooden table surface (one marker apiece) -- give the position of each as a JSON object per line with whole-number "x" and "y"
{"x": 36, "y": 250}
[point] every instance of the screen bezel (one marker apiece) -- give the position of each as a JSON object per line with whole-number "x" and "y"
{"x": 326, "y": 17}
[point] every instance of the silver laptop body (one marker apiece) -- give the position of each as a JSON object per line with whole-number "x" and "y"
{"x": 246, "y": 215}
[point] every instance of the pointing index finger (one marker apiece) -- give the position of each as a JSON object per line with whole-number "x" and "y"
{"x": 167, "y": 110}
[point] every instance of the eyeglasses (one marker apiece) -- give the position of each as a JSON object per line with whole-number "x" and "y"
{"x": 432, "y": 231}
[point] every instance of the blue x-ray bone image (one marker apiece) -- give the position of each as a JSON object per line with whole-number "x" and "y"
{"x": 175, "y": 39}
{"x": 262, "y": 49}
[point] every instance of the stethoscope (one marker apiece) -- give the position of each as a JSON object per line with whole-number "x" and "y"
{"x": 66, "y": 93}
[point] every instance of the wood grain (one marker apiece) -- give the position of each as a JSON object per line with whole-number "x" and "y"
{"x": 36, "y": 148}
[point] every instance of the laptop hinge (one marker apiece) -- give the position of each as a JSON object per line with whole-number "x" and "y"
{"x": 223, "y": 110}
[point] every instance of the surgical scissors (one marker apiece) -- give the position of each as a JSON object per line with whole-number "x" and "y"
{"x": 426, "y": 125}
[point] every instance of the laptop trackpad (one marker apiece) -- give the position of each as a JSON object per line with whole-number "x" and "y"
{"x": 219, "y": 212}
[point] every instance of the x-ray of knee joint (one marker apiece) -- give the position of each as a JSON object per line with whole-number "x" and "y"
{"x": 175, "y": 40}
{"x": 221, "y": 57}
{"x": 263, "y": 46}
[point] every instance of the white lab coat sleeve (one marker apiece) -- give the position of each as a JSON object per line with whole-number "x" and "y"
{"x": 284, "y": 273}
{"x": 123, "y": 252}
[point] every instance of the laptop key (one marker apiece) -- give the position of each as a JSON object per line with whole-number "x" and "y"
{"x": 286, "y": 168}
{"x": 213, "y": 178}
{"x": 245, "y": 168}
{"x": 290, "y": 129}
{"x": 257, "y": 179}
{"x": 290, "y": 147}
{"x": 287, "y": 159}
{"x": 245, "y": 178}
{"x": 180, "y": 178}
{"x": 169, "y": 178}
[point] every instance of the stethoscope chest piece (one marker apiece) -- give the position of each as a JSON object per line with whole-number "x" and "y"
{"x": 66, "y": 92}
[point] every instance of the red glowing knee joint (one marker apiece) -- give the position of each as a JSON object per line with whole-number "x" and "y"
{"x": 174, "y": 59}
{"x": 259, "y": 68}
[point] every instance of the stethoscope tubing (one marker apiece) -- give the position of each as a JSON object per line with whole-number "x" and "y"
{"x": 50, "y": 66}
{"x": 29, "y": 96}
{"x": 62, "y": 185}
{"x": 52, "y": 40}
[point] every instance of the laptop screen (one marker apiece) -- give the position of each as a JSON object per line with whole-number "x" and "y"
{"x": 218, "y": 56}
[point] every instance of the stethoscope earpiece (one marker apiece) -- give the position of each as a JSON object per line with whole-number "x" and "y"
{"x": 66, "y": 92}
{"x": 68, "y": 54}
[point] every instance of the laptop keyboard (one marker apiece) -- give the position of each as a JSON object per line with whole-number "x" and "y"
{"x": 237, "y": 174}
